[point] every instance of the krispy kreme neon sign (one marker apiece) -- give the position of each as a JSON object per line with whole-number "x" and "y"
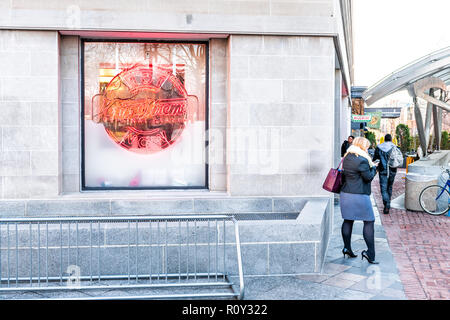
{"x": 143, "y": 109}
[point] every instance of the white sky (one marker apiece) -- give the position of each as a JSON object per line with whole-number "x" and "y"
{"x": 389, "y": 34}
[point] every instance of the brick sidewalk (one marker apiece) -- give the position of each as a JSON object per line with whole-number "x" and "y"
{"x": 420, "y": 244}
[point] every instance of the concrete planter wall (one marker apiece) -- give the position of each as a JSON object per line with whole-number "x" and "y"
{"x": 269, "y": 247}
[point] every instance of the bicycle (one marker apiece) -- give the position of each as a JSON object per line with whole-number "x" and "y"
{"x": 435, "y": 199}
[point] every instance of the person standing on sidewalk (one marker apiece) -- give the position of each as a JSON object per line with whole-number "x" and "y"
{"x": 358, "y": 173}
{"x": 346, "y": 144}
{"x": 386, "y": 173}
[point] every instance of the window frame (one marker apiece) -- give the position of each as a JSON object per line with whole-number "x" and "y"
{"x": 83, "y": 186}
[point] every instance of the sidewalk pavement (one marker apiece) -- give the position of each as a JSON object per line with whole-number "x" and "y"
{"x": 420, "y": 244}
{"x": 341, "y": 278}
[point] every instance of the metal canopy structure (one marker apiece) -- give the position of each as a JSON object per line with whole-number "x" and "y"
{"x": 436, "y": 64}
{"x": 426, "y": 78}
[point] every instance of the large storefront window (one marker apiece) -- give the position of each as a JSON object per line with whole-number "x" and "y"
{"x": 144, "y": 115}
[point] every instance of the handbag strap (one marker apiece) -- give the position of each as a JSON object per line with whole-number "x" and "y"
{"x": 340, "y": 164}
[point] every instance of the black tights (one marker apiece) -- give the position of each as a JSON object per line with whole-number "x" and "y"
{"x": 368, "y": 234}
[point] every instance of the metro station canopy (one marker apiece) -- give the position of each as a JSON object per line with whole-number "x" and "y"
{"x": 436, "y": 64}
{"x": 426, "y": 78}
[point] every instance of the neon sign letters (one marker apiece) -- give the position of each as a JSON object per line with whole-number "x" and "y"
{"x": 143, "y": 109}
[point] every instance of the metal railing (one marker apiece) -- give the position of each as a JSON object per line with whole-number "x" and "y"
{"x": 136, "y": 252}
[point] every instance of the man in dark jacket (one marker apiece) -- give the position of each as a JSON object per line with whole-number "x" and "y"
{"x": 386, "y": 175}
{"x": 347, "y": 143}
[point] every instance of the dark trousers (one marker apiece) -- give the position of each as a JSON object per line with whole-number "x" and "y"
{"x": 386, "y": 184}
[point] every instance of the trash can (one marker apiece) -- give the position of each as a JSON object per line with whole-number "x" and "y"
{"x": 414, "y": 185}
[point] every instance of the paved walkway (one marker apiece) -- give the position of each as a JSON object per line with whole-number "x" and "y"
{"x": 420, "y": 244}
{"x": 341, "y": 278}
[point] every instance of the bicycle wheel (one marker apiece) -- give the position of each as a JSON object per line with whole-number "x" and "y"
{"x": 435, "y": 200}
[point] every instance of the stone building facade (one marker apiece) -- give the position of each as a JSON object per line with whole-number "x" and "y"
{"x": 276, "y": 112}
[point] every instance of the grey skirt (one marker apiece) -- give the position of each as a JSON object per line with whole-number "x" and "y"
{"x": 356, "y": 207}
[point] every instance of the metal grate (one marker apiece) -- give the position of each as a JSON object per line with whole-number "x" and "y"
{"x": 84, "y": 253}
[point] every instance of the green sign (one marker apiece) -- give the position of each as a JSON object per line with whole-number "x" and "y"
{"x": 375, "y": 120}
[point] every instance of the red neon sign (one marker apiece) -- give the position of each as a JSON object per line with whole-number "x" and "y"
{"x": 143, "y": 109}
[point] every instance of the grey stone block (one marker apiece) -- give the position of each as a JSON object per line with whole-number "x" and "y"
{"x": 277, "y": 231}
{"x": 25, "y": 40}
{"x": 219, "y": 92}
{"x": 322, "y": 113}
{"x": 239, "y": 67}
{"x": 15, "y": 163}
{"x": 309, "y": 214}
{"x": 301, "y": 67}
{"x": 69, "y": 66}
{"x": 320, "y": 161}
{"x": 293, "y": 162}
{"x": 44, "y": 163}
{"x": 70, "y": 114}
{"x": 252, "y": 184}
{"x": 30, "y": 138}
{"x": 291, "y": 204}
{"x": 270, "y": 67}
{"x": 30, "y": 186}
{"x": 218, "y": 114}
{"x": 160, "y": 232}
{"x": 218, "y": 182}
{"x": 69, "y": 88}
{"x": 303, "y": 184}
{"x": 44, "y": 63}
{"x": 274, "y": 45}
{"x": 146, "y": 207}
{"x": 320, "y": 91}
{"x": 71, "y": 182}
{"x": 315, "y": 9}
{"x": 308, "y": 137}
{"x": 14, "y": 113}
{"x": 308, "y": 91}
{"x": 69, "y": 45}
{"x": 246, "y": 45}
{"x": 255, "y": 259}
{"x": 216, "y": 148}
{"x": 71, "y": 162}
{"x": 292, "y": 258}
{"x": 318, "y": 46}
{"x": 67, "y": 207}
{"x": 44, "y": 113}
{"x": 15, "y": 64}
{"x": 256, "y": 90}
{"x": 322, "y": 68}
{"x": 48, "y": 88}
{"x": 233, "y": 205}
{"x": 279, "y": 114}
{"x": 296, "y": 91}
{"x": 12, "y": 208}
{"x": 70, "y": 138}
{"x": 239, "y": 114}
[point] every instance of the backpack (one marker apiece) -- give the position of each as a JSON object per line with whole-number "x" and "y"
{"x": 395, "y": 158}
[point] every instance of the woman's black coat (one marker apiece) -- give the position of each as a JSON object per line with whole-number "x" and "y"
{"x": 357, "y": 174}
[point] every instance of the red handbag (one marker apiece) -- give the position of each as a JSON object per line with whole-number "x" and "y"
{"x": 333, "y": 182}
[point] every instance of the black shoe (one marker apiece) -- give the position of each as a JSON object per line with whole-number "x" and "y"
{"x": 345, "y": 251}
{"x": 364, "y": 255}
{"x": 386, "y": 210}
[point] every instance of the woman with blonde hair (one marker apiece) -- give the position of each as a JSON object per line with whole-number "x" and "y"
{"x": 358, "y": 173}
